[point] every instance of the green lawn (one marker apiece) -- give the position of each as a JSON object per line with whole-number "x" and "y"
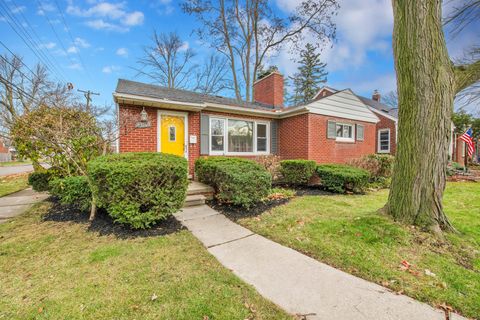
{"x": 14, "y": 163}
{"x": 59, "y": 270}
{"x": 347, "y": 232}
{"x": 14, "y": 183}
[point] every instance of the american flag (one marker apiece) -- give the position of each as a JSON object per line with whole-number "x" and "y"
{"x": 468, "y": 138}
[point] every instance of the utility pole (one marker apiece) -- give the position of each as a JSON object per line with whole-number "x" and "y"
{"x": 87, "y": 96}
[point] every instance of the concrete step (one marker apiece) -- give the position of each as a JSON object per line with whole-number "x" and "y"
{"x": 194, "y": 200}
{"x": 197, "y": 188}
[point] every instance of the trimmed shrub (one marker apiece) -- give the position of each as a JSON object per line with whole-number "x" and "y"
{"x": 139, "y": 189}
{"x": 342, "y": 178}
{"x": 237, "y": 181}
{"x": 39, "y": 180}
{"x": 297, "y": 172}
{"x": 378, "y": 165}
{"x": 73, "y": 191}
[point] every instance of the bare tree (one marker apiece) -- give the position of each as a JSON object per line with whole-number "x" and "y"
{"x": 167, "y": 61}
{"x": 212, "y": 78}
{"x": 391, "y": 99}
{"x": 249, "y": 31}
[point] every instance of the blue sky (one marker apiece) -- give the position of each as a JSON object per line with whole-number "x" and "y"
{"x": 106, "y": 39}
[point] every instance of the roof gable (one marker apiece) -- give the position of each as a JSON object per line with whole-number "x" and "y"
{"x": 343, "y": 104}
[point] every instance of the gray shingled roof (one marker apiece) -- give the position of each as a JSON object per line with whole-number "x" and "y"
{"x": 159, "y": 92}
{"x": 380, "y": 106}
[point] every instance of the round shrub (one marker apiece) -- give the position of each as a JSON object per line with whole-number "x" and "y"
{"x": 237, "y": 181}
{"x": 39, "y": 180}
{"x": 341, "y": 178}
{"x": 297, "y": 172}
{"x": 72, "y": 191}
{"x": 139, "y": 189}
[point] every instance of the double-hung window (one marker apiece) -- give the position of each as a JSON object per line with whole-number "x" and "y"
{"x": 238, "y": 137}
{"x": 345, "y": 132}
{"x": 383, "y": 141}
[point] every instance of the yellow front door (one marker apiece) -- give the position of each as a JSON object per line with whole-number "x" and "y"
{"x": 172, "y": 135}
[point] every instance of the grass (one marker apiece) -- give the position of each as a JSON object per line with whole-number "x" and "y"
{"x": 14, "y": 163}
{"x": 60, "y": 270}
{"x": 13, "y": 183}
{"x": 346, "y": 231}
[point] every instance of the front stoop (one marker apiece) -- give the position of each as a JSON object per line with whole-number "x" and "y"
{"x": 197, "y": 193}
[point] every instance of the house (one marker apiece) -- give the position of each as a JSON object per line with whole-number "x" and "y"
{"x": 5, "y": 154}
{"x": 334, "y": 128}
{"x": 386, "y": 128}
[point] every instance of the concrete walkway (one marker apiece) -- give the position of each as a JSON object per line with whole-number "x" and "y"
{"x": 298, "y": 284}
{"x": 17, "y": 203}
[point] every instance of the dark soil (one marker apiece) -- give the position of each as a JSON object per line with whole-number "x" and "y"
{"x": 312, "y": 191}
{"x": 104, "y": 224}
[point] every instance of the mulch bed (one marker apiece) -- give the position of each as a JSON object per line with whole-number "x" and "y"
{"x": 104, "y": 224}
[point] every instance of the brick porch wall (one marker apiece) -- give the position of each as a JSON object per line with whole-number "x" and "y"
{"x": 137, "y": 139}
{"x": 386, "y": 123}
{"x": 293, "y": 137}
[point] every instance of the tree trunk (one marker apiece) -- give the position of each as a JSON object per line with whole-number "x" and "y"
{"x": 93, "y": 209}
{"x": 426, "y": 89}
{"x": 37, "y": 167}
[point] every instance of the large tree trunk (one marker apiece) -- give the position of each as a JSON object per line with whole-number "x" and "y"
{"x": 426, "y": 89}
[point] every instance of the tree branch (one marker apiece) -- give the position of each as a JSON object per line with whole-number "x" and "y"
{"x": 466, "y": 75}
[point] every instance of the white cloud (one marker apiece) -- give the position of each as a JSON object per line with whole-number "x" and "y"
{"x": 18, "y": 9}
{"x": 72, "y": 49}
{"x": 108, "y": 16}
{"x": 44, "y": 8}
{"x": 110, "y": 69}
{"x": 75, "y": 66}
{"x": 122, "y": 52}
{"x": 82, "y": 43}
{"x": 184, "y": 46}
{"x": 48, "y": 45}
{"x": 100, "y": 24}
{"x": 133, "y": 19}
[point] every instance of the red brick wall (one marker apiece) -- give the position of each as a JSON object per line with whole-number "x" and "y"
{"x": 386, "y": 123}
{"x": 293, "y": 137}
{"x": 269, "y": 90}
{"x": 137, "y": 139}
{"x": 193, "y": 148}
{"x": 325, "y": 150}
{"x": 3, "y": 149}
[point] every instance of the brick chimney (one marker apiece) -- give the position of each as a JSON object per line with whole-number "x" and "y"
{"x": 269, "y": 90}
{"x": 376, "y": 96}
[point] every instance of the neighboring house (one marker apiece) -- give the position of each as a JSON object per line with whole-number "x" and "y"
{"x": 5, "y": 154}
{"x": 333, "y": 128}
{"x": 386, "y": 128}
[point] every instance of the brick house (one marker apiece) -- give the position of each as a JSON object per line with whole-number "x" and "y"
{"x": 333, "y": 128}
{"x": 386, "y": 128}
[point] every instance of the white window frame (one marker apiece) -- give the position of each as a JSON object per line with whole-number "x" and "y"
{"x": 267, "y": 137}
{"x": 217, "y": 152}
{"x": 343, "y": 139}
{"x": 225, "y": 137}
{"x": 379, "y": 150}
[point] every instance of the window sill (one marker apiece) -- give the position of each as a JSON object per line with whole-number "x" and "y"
{"x": 249, "y": 154}
{"x": 345, "y": 140}
{"x": 383, "y": 151}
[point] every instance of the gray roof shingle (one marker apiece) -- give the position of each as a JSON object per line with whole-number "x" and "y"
{"x": 159, "y": 92}
{"x": 380, "y": 106}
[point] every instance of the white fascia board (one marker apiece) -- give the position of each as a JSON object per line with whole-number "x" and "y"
{"x": 155, "y": 102}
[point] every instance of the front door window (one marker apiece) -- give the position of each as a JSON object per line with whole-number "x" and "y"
{"x": 172, "y": 134}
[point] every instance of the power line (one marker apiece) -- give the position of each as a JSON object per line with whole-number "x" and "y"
{"x": 87, "y": 95}
{"x": 27, "y": 39}
{"x": 19, "y": 90}
{"x": 13, "y": 54}
{"x": 41, "y": 48}
{"x": 71, "y": 38}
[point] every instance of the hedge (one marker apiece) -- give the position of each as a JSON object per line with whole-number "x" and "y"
{"x": 139, "y": 189}
{"x": 342, "y": 178}
{"x": 297, "y": 172}
{"x": 40, "y": 180}
{"x": 73, "y": 191}
{"x": 237, "y": 181}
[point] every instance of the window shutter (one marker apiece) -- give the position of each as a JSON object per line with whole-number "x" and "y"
{"x": 360, "y": 132}
{"x": 204, "y": 134}
{"x": 273, "y": 137}
{"x": 331, "y": 129}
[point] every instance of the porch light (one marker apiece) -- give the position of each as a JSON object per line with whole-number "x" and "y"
{"x": 143, "y": 115}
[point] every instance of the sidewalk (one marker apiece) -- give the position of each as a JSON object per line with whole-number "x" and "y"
{"x": 295, "y": 282}
{"x": 17, "y": 203}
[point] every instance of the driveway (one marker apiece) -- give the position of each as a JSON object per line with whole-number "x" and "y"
{"x": 6, "y": 171}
